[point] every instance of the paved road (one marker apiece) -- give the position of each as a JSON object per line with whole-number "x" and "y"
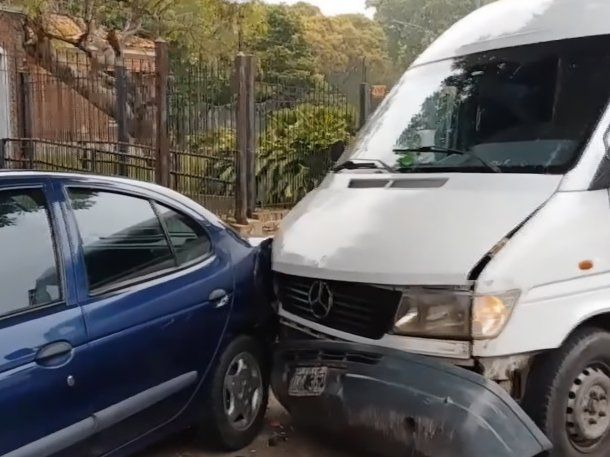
{"x": 279, "y": 439}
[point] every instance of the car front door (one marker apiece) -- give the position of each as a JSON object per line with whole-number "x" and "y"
{"x": 156, "y": 300}
{"x": 44, "y": 407}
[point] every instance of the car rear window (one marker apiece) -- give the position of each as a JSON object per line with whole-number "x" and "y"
{"x": 29, "y": 275}
{"x": 190, "y": 241}
{"x": 122, "y": 238}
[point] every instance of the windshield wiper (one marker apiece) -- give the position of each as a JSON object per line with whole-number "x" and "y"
{"x": 451, "y": 151}
{"x": 363, "y": 164}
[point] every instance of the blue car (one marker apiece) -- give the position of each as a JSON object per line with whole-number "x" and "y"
{"x": 127, "y": 312}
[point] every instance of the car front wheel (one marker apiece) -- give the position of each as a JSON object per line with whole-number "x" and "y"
{"x": 568, "y": 395}
{"x": 239, "y": 395}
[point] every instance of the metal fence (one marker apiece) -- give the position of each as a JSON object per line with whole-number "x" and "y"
{"x": 301, "y": 128}
{"x": 98, "y": 157}
{"x": 130, "y": 117}
{"x": 201, "y": 131}
{"x": 298, "y": 127}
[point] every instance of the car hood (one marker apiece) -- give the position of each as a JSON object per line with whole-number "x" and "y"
{"x": 386, "y": 229}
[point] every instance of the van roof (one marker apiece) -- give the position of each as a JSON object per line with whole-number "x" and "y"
{"x": 509, "y": 23}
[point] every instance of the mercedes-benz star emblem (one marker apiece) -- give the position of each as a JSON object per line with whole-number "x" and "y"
{"x": 321, "y": 299}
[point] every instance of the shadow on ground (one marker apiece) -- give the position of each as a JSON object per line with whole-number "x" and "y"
{"x": 278, "y": 439}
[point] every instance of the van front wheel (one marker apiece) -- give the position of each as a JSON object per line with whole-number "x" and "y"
{"x": 568, "y": 395}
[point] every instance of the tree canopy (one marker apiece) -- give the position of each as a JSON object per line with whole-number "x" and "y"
{"x": 297, "y": 39}
{"x": 412, "y": 25}
{"x": 342, "y": 43}
{"x": 281, "y": 48}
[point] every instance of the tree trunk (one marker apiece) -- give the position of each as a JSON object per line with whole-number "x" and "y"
{"x": 98, "y": 87}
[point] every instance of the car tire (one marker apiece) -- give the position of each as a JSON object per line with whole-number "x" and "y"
{"x": 568, "y": 395}
{"x": 228, "y": 421}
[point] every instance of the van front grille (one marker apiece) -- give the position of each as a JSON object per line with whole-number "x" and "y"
{"x": 359, "y": 309}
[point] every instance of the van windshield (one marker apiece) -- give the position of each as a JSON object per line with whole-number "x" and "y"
{"x": 527, "y": 109}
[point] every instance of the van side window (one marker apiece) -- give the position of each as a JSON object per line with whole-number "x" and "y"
{"x": 190, "y": 241}
{"x": 29, "y": 274}
{"x": 122, "y": 238}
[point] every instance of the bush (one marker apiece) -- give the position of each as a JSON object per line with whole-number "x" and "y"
{"x": 296, "y": 150}
{"x": 294, "y": 154}
{"x": 208, "y": 167}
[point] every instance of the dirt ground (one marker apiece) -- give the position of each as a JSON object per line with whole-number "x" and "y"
{"x": 279, "y": 439}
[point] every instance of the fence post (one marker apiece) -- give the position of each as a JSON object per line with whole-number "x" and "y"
{"x": 121, "y": 114}
{"x": 25, "y": 124}
{"x": 245, "y": 188}
{"x": 251, "y": 134}
{"x": 365, "y": 103}
{"x": 162, "y": 169}
{"x": 3, "y": 153}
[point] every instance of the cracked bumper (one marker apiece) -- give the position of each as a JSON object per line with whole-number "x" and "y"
{"x": 396, "y": 404}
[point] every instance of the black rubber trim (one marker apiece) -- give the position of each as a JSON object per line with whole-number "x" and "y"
{"x": 69, "y": 436}
{"x": 58, "y": 441}
{"x": 405, "y": 404}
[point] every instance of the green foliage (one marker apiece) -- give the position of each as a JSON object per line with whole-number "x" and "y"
{"x": 204, "y": 30}
{"x": 293, "y": 156}
{"x": 294, "y": 43}
{"x": 212, "y": 156}
{"x": 412, "y": 25}
{"x": 340, "y": 44}
{"x": 197, "y": 86}
{"x": 219, "y": 143}
{"x": 295, "y": 152}
{"x": 283, "y": 53}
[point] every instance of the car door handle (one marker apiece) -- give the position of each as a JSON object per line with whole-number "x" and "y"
{"x": 54, "y": 354}
{"x": 219, "y": 298}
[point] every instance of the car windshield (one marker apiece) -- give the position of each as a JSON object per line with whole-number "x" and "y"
{"x": 527, "y": 109}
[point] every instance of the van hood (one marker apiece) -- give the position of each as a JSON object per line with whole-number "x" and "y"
{"x": 397, "y": 230}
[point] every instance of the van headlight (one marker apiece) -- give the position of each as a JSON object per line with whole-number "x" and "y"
{"x": 453, "y": 313}
{"x": 434, "y": 313}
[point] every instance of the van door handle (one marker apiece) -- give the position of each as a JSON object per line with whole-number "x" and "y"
{"x": 54, "y": 354}
{"x": 219, "y": 298}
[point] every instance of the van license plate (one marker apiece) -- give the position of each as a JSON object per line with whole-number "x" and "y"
{"x": 308, "y": 382}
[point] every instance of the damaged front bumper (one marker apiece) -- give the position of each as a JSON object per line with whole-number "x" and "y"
{"x": 398, "y": 404}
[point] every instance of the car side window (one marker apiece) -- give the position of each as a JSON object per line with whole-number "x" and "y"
{"x": 189, "y": 239}
{"x": 29, "y": 274}
{"x": 122, "y": 238}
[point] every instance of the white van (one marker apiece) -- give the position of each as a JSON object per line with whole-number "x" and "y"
{"x": 470, "y": 220}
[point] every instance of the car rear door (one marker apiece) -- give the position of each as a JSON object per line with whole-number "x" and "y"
{"x": 156, "y": 300}
{"x": 44, "y": 407}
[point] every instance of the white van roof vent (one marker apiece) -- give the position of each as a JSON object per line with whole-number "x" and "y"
{"x": 427, "y": 183}
{"x": 369, "y": 183}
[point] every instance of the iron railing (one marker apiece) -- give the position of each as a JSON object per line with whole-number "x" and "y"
{"x": 191, "y": 174}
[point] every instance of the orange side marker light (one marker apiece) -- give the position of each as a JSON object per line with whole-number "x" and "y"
{"x": 586, "y": 265}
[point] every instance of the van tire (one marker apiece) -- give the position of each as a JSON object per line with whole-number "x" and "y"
{"x": 215, "y": 424}
{"x": 558, "y": 380}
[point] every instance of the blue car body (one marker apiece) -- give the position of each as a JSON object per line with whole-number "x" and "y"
{"x": 106, "y": 372}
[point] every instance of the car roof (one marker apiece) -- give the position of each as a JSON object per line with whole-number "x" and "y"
{"x": 83, "y": 177}
{"x": 509, "y": 23}
{"x": 4, "y": 173}
{"x": 8, "y": 173}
